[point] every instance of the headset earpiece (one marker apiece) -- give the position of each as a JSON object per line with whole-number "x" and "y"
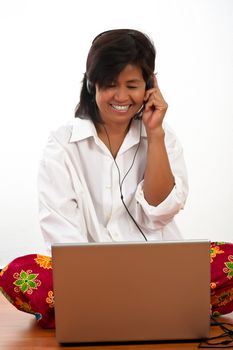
{"x": 90, "y": 87}
{"x": 149, "y": 84}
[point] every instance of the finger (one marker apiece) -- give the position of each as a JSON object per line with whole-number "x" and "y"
{"x": 151, "y": 104}
{"x": 156, "y": 102}
{"x": 153, "y": 94}
{"x": 149, "y": 93}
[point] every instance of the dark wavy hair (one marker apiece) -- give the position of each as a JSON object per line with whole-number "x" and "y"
{"x": 110, "y": 53}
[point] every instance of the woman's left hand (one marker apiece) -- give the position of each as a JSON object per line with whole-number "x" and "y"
{"x": 155, "y": 109}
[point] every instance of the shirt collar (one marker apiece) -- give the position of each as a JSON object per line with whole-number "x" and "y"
{"x": 85, "y": 128}
{"x": 82, "y": 129}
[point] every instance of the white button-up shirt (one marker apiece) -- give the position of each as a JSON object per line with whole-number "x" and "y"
{"x": 79, "y": 194}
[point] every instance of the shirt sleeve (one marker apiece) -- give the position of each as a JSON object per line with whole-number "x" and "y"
{"x": 59, "y": 214}
{"x": 155, "y": 217}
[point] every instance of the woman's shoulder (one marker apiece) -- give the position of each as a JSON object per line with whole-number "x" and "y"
{"x": 73, "y": 130}
{"x": 62, "y": 133}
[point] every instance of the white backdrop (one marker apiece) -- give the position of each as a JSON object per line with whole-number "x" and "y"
{"x": 44, "y": 44}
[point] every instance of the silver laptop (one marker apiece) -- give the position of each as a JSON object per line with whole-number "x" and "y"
{"x": 109, "y": 292}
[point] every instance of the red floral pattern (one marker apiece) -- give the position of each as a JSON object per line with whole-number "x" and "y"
{"x": 221, "y": 281}
{"x": 27, "y": 283}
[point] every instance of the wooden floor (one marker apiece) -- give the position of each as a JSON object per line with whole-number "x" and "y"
{"x": 19, "y": 330}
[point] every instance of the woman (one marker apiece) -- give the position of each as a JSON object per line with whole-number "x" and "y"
{"x": 116, "y": 173}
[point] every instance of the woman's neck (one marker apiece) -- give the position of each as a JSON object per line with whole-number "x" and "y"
{"x": 112, "y": 137}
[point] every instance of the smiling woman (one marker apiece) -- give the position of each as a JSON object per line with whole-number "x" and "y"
{"x": 118, "y": 103}
{"x": 123, "y": 98}
{"x": 110, "y": 175}
{"x": 110, "y": 53}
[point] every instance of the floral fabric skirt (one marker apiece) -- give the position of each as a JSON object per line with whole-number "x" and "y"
{"x": 27, "y": 283}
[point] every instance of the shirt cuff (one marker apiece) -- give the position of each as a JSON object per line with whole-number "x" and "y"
{"x": 166, "y": 209}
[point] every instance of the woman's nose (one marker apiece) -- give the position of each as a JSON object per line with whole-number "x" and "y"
{"x": 121, "y": 94}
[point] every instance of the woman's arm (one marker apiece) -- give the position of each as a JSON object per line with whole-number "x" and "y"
{"x": 158, "y": 178}
{"x": 59, "y": 213}
{"x": 154, "y": 217}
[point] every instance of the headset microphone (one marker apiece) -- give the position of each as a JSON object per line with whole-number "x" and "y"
{"x": 138, "y": 115}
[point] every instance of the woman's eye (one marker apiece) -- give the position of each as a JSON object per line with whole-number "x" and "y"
{"x": 132, "y": 87}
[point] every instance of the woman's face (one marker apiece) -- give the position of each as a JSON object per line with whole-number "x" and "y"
{"x": 122, "y": 99}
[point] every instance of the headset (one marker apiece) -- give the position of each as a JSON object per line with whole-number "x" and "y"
{"x": 90, "y": 87}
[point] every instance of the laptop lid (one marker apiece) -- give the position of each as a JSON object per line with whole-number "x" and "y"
{"x": 132, "y": 291}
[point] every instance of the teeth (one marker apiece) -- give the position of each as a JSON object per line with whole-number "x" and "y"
{"x": 120, "y": 108}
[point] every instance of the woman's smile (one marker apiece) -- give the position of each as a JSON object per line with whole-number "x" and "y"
{"x": 121, "y": 108}
{"x": 123, "y": 97}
